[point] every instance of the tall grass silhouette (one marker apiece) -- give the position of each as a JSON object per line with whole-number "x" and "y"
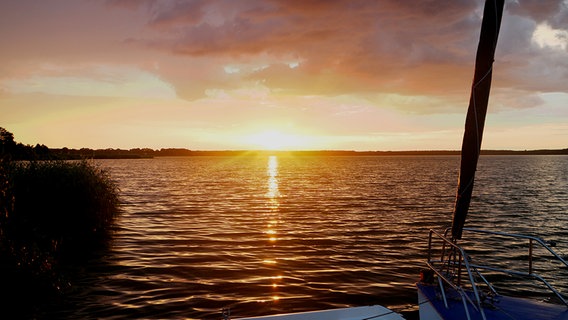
{"x": 51, "y": 213}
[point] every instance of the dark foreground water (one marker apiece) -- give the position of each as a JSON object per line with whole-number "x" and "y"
{"x": 264, "y": 235}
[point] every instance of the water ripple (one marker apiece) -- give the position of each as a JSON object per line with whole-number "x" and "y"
{"x": 264, "y": 235}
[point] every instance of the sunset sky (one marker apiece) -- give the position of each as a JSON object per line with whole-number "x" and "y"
{"x": 214, "y": 75}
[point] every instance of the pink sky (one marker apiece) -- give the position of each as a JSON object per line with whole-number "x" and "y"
{"x": 358, "y": 75}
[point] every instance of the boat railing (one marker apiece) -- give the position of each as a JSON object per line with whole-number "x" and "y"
{"x": 456, "y": 269}
{"x": 449, "y": 267}
{"x": 532, "y": 243}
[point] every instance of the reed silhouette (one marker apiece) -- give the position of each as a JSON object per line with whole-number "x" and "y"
{"x": 52, "y": 214}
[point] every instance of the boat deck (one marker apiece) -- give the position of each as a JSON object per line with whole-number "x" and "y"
{"x": 501, "y": 307}
{"x": 356, "y": 313}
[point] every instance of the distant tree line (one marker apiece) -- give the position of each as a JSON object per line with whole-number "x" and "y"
{"x": 19, "y": 151}
{"x": 136, "y": 153}
{"x": 12, "y": 150}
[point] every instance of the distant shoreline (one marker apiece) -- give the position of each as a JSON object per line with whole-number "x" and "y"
{"x": 66, "y": 153}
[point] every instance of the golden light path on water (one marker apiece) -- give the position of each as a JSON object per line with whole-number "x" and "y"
{"x": 273, "y": 196}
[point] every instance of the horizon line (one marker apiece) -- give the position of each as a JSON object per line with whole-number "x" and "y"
{"x": 303, "y": 150}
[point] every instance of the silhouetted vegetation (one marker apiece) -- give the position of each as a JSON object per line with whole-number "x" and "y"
{"x": 85, "y": 153}
{"x": 51, "y": 212}
{"x": 18, "y": 151}
{"x": 53, "y": 215}
{"x": 64, "y": 203}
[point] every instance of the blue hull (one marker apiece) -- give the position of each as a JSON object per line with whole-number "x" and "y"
{"x": 502, "y": 307}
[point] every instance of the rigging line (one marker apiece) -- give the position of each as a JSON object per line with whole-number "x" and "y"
{"x": 484, "y": 76}
{"x": 477, "y": 138}
{"x": 475, "y": 85}
{"x": 478, "y": 142}
{"x": 474, "y": 102}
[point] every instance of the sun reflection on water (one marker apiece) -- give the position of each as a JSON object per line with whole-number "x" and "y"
{"x": 273, "y": 219}
{"x": 272, "y": 172}
{"x": 273, "y": 196}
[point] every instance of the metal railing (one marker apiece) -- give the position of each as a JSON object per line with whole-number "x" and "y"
{"x": 454, "y": 267}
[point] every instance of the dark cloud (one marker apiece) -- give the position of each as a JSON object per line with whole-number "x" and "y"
{"x": 247, "y": 27}
{"x": 180, "y": 13}
{"x": 130, "y": 4}
{"x": 553, "y": 12}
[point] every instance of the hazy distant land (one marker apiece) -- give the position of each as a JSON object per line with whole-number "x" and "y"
{"x": 10, "y": 149}
{"x": 137, "y": 153}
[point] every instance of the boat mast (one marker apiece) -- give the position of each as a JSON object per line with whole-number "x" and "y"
{"x": 476, "y": 111}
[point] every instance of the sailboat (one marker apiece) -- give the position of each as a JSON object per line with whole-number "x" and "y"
{"x": 455, "y": 285}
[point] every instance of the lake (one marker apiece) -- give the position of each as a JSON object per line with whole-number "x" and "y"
{"x": 266, "y": 234}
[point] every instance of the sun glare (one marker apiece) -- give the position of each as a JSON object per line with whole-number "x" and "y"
{"x": 276, "y": 140}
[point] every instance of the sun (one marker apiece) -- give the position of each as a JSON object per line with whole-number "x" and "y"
{"x": 275, "y": 140}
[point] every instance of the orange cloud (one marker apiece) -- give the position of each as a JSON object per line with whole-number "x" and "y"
{"x": 344, "y": 46}
{"x": 335, "y": 47}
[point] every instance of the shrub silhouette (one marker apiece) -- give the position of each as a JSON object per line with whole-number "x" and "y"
{"x": 58, "y": 206}
{"x": 53, "y": 215}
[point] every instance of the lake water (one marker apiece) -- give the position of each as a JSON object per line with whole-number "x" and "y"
{"x": 266, "y": 234}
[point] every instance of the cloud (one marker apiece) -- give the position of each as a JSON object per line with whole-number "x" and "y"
{"x": 348, "y": 47}
{"x": 505, "y": 99}
{"x": 130, "y": 4}
{"x": 553, "y": 12}
{"x": 336, "y": 47}
{"x": 526, "y": 61}
{"x": 343, "y": 46}
{"x": 102, "y": 81}
{"x": 545, "y": 36}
